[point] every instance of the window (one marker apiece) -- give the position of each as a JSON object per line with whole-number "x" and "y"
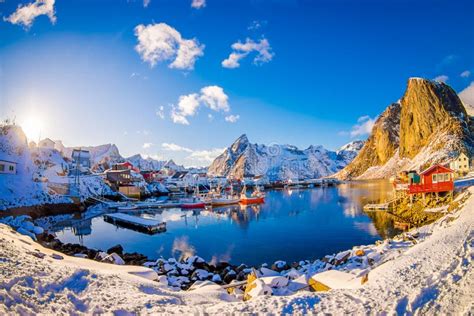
{"x": 11, "y": 168}
{"x": 2, "y": 167}
{"x": 446, "y": 176}
{"x": 435, "y": 178}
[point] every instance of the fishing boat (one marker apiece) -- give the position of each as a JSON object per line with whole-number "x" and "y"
{"x": 221, "y": 201}
{"x": 127, "y": 207}
{"x": 193, "y": 205}
{"x": 257, "y": 197}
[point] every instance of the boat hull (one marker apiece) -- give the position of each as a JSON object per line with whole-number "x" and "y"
{"x": 247, "y": 201}
{"x": 219, "y": 202}
{"x": 193, "y": 205}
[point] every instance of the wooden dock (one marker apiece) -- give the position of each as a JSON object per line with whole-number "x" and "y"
{"x": 146, "y": 225}
{"x": 377, "y": 207}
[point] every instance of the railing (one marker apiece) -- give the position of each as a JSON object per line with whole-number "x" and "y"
{"x": 433, "y": 187}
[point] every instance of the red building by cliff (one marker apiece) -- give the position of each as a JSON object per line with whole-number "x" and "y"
{"x": 435, "y": 179}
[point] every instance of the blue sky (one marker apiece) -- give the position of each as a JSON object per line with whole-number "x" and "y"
{"x": 311, "y": 72}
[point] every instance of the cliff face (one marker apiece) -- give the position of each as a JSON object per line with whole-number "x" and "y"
{"x": 380, "y": 146}
{"x": 428, "y": 109}
{"x": 430, "y": 125}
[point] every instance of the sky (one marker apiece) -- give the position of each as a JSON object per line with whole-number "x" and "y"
{"x": 183, "y": 79}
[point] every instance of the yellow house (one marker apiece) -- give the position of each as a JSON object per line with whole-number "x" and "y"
{"x": 460, "y": 165}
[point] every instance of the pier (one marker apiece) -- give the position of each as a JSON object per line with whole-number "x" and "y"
{"x": 147, "y": 225}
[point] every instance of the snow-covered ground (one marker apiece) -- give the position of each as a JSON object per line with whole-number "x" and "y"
{"x": 433, "y": 275}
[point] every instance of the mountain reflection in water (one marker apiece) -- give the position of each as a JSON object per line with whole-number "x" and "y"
{"x": 292, "y": 225}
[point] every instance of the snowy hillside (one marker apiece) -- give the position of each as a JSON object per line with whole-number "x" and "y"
{"x": 281, "y": 162}
{"x": 28, "y": 186}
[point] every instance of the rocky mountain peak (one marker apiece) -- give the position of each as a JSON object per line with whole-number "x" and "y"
{"x": 428, "y": 107}
{"x": 240, "y": 144}
{"x": 428, "y": 125}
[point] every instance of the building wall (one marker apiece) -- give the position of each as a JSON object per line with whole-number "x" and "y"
{"x": 461, "y": 164}
{"x": 7, "y": 167}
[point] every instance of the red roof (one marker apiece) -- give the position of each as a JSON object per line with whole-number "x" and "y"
{"x": 430, "y": 169}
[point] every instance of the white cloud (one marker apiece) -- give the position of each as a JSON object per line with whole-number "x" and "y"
{"x": 161, "y": 112}
{"x": 255, "y": 25}
{"x": 363, "y": 127}
{"x": 147, "y": 145}
{"x": 160, "y": 42}
{"x": 442, "y": 78}
{"x": 26, "y": 14}
{"x": 206, "y": 156}
{"x": 241, "y": 50}
{"x": 146, "y": 3}
{"x": 467, "y": 97}
{"x": 232, "y": 118}
{"x": 174, "y": 147}
{"x": 465, "y": 73}
{"x": 198, "y": 4}
{"x": 213, "y": 97}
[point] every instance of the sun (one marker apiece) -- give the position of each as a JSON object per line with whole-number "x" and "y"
{"x": 32, "y": 128}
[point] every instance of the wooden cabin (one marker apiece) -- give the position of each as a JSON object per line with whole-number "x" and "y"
{"x": 435, "y": 179}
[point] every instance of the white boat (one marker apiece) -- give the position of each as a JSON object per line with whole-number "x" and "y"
{"x": 127, "y": 207}
{"x": 220, "y": 201}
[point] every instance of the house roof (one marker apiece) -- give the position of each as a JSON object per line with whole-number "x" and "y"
{"x": 3, "y": 160}
{"x": 432, "y": 168}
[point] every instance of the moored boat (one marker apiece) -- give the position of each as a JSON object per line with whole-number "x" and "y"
{"x": 191, "y": 205}
{"x": 257, "y": 197}
{"x": 252, "y": 200}
{"x": 220, "y": 201}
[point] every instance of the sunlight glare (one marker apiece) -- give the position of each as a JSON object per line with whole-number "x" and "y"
{"x": 32, "y": 128}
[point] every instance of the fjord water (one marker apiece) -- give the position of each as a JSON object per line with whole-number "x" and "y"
{"x": 292, "y": 225}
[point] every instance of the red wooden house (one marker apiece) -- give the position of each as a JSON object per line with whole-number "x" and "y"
{"x": 435, "y": 179}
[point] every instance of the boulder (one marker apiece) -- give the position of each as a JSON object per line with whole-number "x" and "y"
{"x": 113, "y": 258}
{"x": 230, "y": 276}
{"x": 118, "y": 249}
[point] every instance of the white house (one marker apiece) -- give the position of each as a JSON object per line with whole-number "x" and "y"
{"x": 46, "y": 143}
{"x": 7, "y": 167}
{"x": 460, "y": 165}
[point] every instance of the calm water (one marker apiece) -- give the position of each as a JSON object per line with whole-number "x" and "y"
{"x": 290, "y": 226}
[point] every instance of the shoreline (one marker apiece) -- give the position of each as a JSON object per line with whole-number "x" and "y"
{"x": 407, "y": 267}
{"x": 219, "y": 272}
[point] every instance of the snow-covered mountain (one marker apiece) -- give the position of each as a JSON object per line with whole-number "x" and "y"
{"x": 281, "y": 162}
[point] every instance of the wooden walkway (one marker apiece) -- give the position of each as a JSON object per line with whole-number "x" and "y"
{"x": 142, "y": 224}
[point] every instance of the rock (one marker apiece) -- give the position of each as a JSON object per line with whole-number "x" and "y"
{"x": 280, "y": 266}
{"x": 118, "y": 249}
{"x": 257, "y": 288}
{"x": 194, "y": 259}
{"x": 222, "y": 265}
{"x": 342, "y": 257}
{"x": 56, "y": 256}
{"x": 26, "y": 233}
{"x": 168, "y": 267}
{"x": 264, "y": 272}
{"x": 200, "y": 275}
{"x": 230, "y": 276}
{"x": 100, "y": 256}
{"x": 241, "y": 267}
{"x": 38, "y": 230}
{"x": 275, "y": 281}
{"x": 216, "y": 278}
{"x": 113, "y": 258}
